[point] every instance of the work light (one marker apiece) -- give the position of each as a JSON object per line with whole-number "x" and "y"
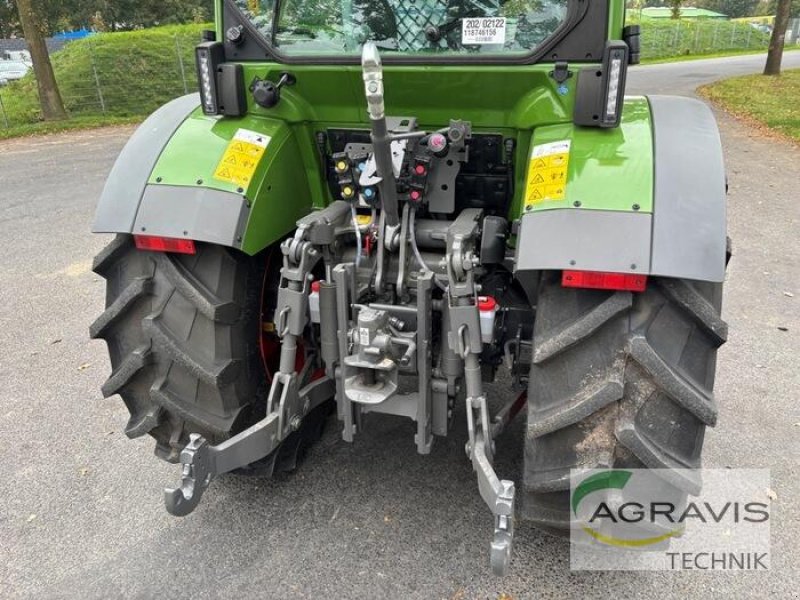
{"x": 208, "y": 56}
{"x": 615, "y": 63}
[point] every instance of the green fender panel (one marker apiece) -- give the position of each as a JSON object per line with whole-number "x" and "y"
{"x": 182, "y": 190}
{"x": 647, "y": 197}
{"x": 274, "y": 193}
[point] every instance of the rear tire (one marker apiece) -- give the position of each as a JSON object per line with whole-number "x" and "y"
{"x": 183, "y": 335}
{"x": 618, "y": 379}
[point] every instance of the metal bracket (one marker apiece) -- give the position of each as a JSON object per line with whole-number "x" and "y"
{"x": 496, "y": 493}
{"x": 202, "y": 461}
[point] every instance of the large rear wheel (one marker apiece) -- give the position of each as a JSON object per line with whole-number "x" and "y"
{"x": 191, "y": 346}
{"x": 618, "y": 379}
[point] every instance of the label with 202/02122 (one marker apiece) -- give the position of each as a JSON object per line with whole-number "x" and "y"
{"x": 483, "y": 30}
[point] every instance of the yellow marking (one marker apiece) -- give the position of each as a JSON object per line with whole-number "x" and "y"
{"x": 364, "y": 219}
{"x": 537, "y": 193}
{"x": 239, "y": 162}
{"x": 547, "y": 174}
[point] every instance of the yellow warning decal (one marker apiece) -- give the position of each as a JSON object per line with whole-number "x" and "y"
{"x": 547, "y": 173}
{"x": 241, "y": 157}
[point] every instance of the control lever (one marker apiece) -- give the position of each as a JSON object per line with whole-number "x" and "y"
{"x": 372, "y": 70}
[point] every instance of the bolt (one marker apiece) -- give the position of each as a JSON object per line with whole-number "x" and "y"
{"x": 185, "y": 233}
{"x": 295, "y": 423}
{"x": 144, "y": 228}
{"x": 159, "y": 179}
{"x": 633, "y": 267}
{"x": 199, "y": 182}
{"x": 636, "y": 207}
{"x": 576, "y": 204}
{"x": 240, "y": 190}
{"x": 572, "y": 262}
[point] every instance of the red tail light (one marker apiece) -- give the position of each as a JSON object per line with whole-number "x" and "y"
{"x": 164, "y": 244}
{"x": 599, "y": 280}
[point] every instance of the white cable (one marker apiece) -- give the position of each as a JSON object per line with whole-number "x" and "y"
{"x": 417, "y": 254}
{"x": 358, "y": 234}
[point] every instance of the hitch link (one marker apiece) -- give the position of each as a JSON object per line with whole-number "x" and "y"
{"x": 286, "y": 404}
{"x": 465, "y": 341}
{"x": 498, "y": 494}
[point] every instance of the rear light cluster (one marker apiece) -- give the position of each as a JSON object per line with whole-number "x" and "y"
{"x": 599, "y": 280}
{"x": 164, "y": 244}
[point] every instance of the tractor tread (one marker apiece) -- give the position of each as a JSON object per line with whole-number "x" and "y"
{"x": 133, "y": 292}
{"x": 690, "y": 300}
{"x": 677, "y": 386}
{"x": 573, "y": 410}
{"x": 183, "y": 335}
{"x": 556, "y": 342}
{"x": 215, "y": 375}
{"x": 142, "y": 423}
{"x": 220, "y": 425}
{"x": 111, "y": 254}
{"x": 127, "y": 370}
{"x": 209, "y": 305}
{"x": 618, "y": 384}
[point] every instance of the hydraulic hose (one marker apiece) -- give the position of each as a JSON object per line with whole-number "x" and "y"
{"x": 357, "y": 231}
{"x": 417, "y": 254}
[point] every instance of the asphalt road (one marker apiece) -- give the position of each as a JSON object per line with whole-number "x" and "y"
{"x": 81, "y": 513}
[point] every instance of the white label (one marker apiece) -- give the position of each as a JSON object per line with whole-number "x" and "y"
{"x": 252, "y": 137}
{"x": 483, "y": 30}
{"x": 363, "y": 336}
{"x": 561, "y": 147}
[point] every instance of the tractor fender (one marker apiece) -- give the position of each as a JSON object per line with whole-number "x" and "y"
{"x": 125, "y": 186}
{"x": 690, "y": 220}
{"x": 660, "y": 208}
{"x": 240, "y": 183}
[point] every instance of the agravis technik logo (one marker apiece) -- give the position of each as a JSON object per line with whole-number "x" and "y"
{"x": 646, "y": 519}
{"x": 613, "y": 480}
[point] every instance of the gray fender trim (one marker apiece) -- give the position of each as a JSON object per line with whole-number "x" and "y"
{"x": 589, "y": 240}
{"x": 195, "y": 213}
{"x": 686, "y": 235}
{"x": 689, "y": 224}
{"x": 122, "y": 194}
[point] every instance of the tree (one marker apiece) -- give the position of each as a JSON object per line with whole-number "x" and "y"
{"x": 9, "y": 24}
{"x": 675, "y": 5}
{"x": 49, "y": 96}
{"x": 775, "y": 52}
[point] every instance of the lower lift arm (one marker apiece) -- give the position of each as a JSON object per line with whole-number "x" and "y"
{"x": 287, "y": 404}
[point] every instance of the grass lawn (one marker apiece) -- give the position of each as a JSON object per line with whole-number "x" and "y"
{"x": 45, "y": 128}
{"x": 773, "y": 102}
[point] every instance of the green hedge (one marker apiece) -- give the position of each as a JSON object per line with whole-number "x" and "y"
{"x": 667, "y": 38}
{"x": 114, "y": 74}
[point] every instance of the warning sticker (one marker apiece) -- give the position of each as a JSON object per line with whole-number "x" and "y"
{"x": 483, "y": 30}
{"x": 241, "y": 157}
{"x": 547, "y": 173}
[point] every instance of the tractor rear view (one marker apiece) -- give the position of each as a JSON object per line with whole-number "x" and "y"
{"x": 380, "y": 207}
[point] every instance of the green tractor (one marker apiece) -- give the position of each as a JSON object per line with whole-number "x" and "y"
{"x": 376, "y": 206}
